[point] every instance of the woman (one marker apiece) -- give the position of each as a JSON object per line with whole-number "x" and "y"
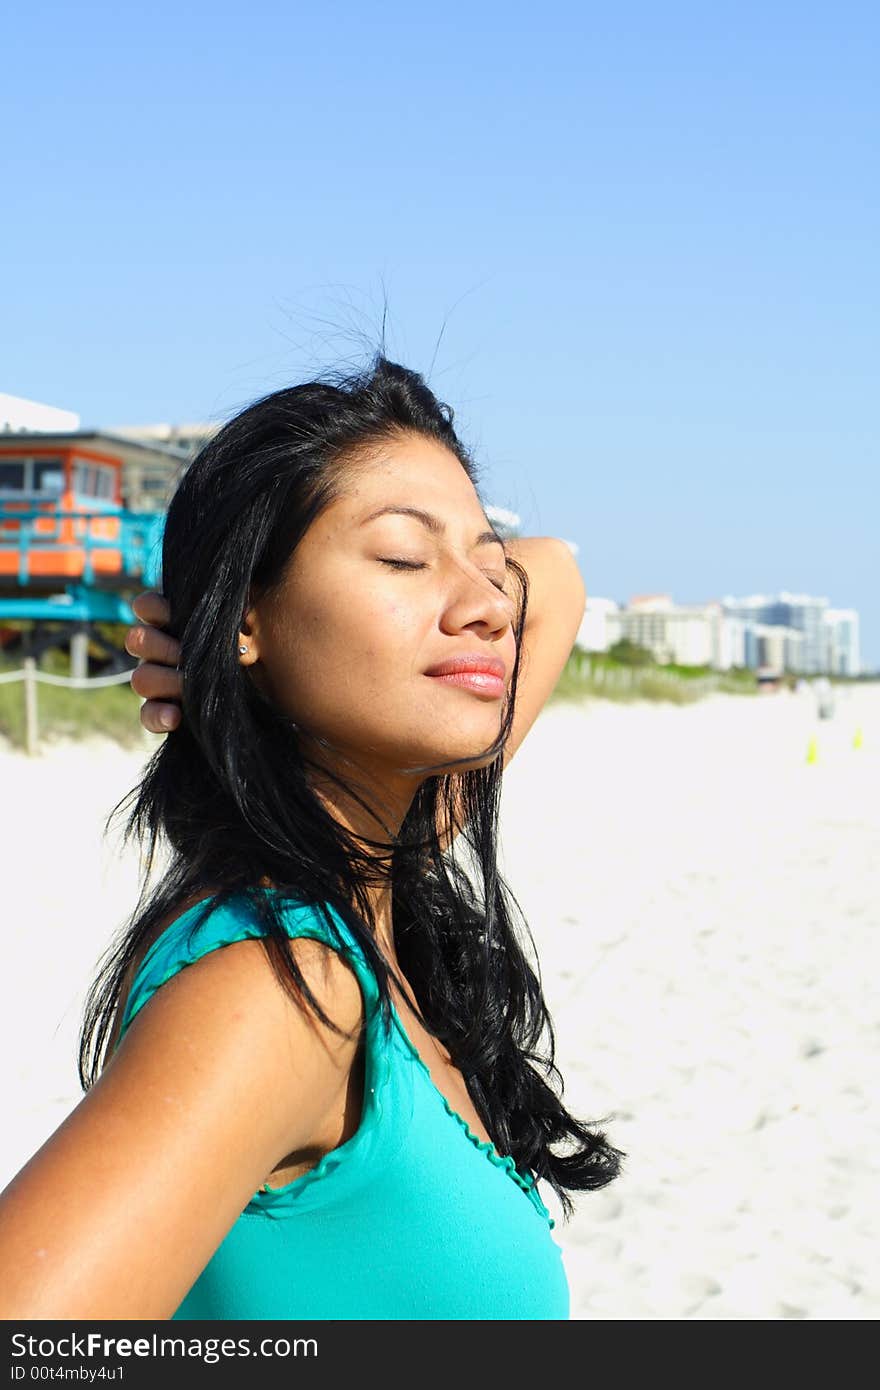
{"x": 313, "y": 1069}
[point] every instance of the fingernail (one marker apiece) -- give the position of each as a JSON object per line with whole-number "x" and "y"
{"x": 166, "y": 719}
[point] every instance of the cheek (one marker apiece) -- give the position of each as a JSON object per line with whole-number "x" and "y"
{"x": 371, "y": 634}
{"x": 385, "y": 619}
{"x": 394, "y": 618}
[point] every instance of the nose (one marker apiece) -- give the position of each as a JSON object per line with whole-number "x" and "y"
{"x": 476, "y": 600}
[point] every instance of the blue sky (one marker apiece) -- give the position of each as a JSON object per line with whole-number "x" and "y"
{"x": 646, "y": 237}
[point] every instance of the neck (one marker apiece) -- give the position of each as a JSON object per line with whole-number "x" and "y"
{"x": 374, "y": 825}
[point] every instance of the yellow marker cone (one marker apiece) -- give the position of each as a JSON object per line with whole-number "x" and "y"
{"x": 857, "y": 739}
{"x": 813, "y": 751}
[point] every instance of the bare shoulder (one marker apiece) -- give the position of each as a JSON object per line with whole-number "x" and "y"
{"x": 332, "y": 980}
{"x": 244, "y": 967}
{"x": 322, "y": 968}
{"x": 219, "y": 1075}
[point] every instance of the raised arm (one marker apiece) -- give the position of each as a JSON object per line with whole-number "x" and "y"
{"x": 557, "y": 598}
{"x": 219, "y": 1077}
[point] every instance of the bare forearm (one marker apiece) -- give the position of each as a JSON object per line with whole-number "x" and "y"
{"x": 557, "y": 596}
{"x": 555, "y": 582}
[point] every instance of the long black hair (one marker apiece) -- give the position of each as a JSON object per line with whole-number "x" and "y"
{"x": 229, "y": 789}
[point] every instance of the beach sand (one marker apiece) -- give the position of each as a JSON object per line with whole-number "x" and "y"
{"x": 705, "y": 904}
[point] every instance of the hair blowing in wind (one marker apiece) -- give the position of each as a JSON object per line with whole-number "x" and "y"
{"x": 230, "y": 794}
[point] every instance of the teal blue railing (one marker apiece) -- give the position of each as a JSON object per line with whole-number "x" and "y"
{"x": 139, "y": 540}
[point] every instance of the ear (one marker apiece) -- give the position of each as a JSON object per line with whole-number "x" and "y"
{"x": 249, "y": 637}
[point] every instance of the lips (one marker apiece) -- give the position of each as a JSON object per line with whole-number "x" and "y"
{"x": 469, "y": 661}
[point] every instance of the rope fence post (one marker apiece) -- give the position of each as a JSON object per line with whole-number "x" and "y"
{"x": 30, "y": 706}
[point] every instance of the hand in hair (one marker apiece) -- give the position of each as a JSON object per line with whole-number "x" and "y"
{"x": 156, "y": 678}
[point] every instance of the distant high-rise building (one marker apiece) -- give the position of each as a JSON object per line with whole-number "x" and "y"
{"x": 842, "y": 637}
{"x": 807, "y": 615}
{"x": 600, "y": 626}
{"x": 686, "y": 634}
{"x": 785, "y": 632}
{"x": 829, "y": 637}
{"x": 692, "y": 635}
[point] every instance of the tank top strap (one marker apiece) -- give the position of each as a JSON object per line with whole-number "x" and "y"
{"x": 205, "y": 928}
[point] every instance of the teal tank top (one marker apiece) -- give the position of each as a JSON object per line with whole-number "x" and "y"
{"x": 412, "y": 1217}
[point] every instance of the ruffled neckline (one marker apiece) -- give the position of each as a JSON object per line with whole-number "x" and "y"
{"x": 506, "y": 1162}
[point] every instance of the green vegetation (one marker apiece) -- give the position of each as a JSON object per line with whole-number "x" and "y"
{"x": 628, "y": 653}
{"x": 629, "y": 672}
{"x": 64, "y": 711}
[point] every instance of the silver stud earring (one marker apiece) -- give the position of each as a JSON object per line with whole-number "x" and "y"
{"x": 242, "y": 650}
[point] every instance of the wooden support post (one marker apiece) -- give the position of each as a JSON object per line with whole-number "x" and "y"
{"x": 30, "y": 706}
{"x": 79, "y": 652}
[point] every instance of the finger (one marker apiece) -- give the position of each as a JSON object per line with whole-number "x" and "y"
{"x": 158, "y": 718}
{"x": 152, "y": 608}
{"x": 152, "y": 645}
{"x": 153, "y": 682}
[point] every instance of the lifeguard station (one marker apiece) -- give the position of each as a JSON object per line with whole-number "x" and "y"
{"x": 81, "y": 522}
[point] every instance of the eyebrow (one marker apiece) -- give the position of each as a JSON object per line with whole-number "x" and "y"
{"x": 433, "y": 523}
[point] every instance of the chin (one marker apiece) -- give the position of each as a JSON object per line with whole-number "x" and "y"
{"x": 442, "y": 746}
{"x": 472, "y": 756}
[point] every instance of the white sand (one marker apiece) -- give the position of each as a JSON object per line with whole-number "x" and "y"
{"x": 704, "y": 903}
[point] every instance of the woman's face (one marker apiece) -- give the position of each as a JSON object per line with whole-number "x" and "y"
{"x": 345, "y": 643}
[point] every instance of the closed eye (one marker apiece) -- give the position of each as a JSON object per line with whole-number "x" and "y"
{"x": 420, "y": 565}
